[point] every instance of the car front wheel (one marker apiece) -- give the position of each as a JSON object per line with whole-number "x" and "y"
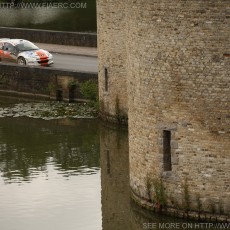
{"x": 21, "y": 61}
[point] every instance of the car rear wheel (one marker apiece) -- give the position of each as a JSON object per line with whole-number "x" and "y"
{"x": 21, "y": 61}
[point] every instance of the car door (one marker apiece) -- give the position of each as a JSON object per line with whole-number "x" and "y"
{"x": 1, "y": 50}
{"x": 9, "y": 53}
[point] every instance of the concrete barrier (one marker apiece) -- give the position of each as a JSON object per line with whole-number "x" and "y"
{"x": 50, "y": 36}
{"x": 44, "y": 82}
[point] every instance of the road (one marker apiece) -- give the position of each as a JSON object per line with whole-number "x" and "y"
{"x": 75, "y": 62}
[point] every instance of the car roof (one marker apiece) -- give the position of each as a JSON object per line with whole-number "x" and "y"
{"x": 13, "y": 42}
{"x": 4, "y": 39}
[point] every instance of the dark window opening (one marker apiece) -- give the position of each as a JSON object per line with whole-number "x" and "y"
{"x": 106, "y": 80}
{"x": 167, "y": 150}
{"x": 72, "y": 92}
{"x": 59, "y": 95}
{"x": 108, "y": 161}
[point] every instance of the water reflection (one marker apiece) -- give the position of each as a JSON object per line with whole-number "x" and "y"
{"x": 119, "y": 212}
{"x": 27, "y": 146}
{"x": 56, "y": 174}
{"x": 50, "y": 174}
{"x": 115, "y": 179}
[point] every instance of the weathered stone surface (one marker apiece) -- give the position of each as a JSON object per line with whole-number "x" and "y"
{"x": 168, "y": 65}
{"x": 112, "y": 55}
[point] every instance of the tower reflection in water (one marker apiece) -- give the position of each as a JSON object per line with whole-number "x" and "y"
{"x": 115, "y": 179}
{"x": 119, "y": 212}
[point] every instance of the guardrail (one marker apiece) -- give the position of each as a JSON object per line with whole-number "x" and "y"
{"x": 50, "y": 36}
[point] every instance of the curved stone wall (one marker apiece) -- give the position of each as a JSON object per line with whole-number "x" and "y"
{"x": 112, "y": 59}
{"x": 177, "y": 68}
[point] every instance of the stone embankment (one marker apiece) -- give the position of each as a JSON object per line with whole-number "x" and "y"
{"x": 42, "y": 82}
{"x": 37, "y": 82}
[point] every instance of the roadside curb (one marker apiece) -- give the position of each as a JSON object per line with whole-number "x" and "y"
{"x": 69, "y": 50}
{"x": 75, "y": 54}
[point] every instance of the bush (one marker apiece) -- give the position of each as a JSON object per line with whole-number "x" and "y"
{"x": 89, "y": 90}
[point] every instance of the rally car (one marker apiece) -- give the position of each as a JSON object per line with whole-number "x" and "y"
{"x": 23, "y": 52}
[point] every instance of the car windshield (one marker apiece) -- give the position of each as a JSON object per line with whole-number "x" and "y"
{"x": 26, "y": 46}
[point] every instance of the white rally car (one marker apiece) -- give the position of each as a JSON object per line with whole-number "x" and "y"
{"x": 23, "y": 52}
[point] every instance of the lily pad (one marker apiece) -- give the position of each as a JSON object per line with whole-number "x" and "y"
{"x": 50, "y": 110}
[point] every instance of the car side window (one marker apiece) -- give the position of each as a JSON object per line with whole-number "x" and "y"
{"x": 10, "y": 48}
{"x": 5, "y": 47}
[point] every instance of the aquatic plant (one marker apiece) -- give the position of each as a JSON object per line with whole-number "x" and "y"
{"x": 199, "y": 203}
{"x": 186, "y": 196}
{"x": 156, "y": 192}
{"x": 159, "y": 194}
{"x": 120, "y": 115}
{"x": 50, "y": 110}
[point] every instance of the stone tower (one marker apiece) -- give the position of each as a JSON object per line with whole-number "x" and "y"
{"x": 167, "y": 63}
{"x": 112, "y": 59}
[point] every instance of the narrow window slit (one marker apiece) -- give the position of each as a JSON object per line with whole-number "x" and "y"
{"x": 167, "y": 163}
{"x": 106, "y": 80}
{"x": 59, "y": 95}
{"x": 108, "y": 161}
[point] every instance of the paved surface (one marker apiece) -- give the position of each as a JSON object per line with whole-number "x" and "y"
{"x": 72, "y": 57}
{"x": 75, "y": 62}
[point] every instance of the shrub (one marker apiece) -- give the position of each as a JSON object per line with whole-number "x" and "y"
{"x": 89, "y": 90}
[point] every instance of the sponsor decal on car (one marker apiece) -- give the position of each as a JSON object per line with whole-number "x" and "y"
{"x": 24, "y": 52}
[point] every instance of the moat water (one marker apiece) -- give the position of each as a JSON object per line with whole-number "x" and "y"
{"x": 68, "y": 174}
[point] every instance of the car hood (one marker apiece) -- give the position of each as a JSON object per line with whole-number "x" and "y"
{"x": 35, "y": 54}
